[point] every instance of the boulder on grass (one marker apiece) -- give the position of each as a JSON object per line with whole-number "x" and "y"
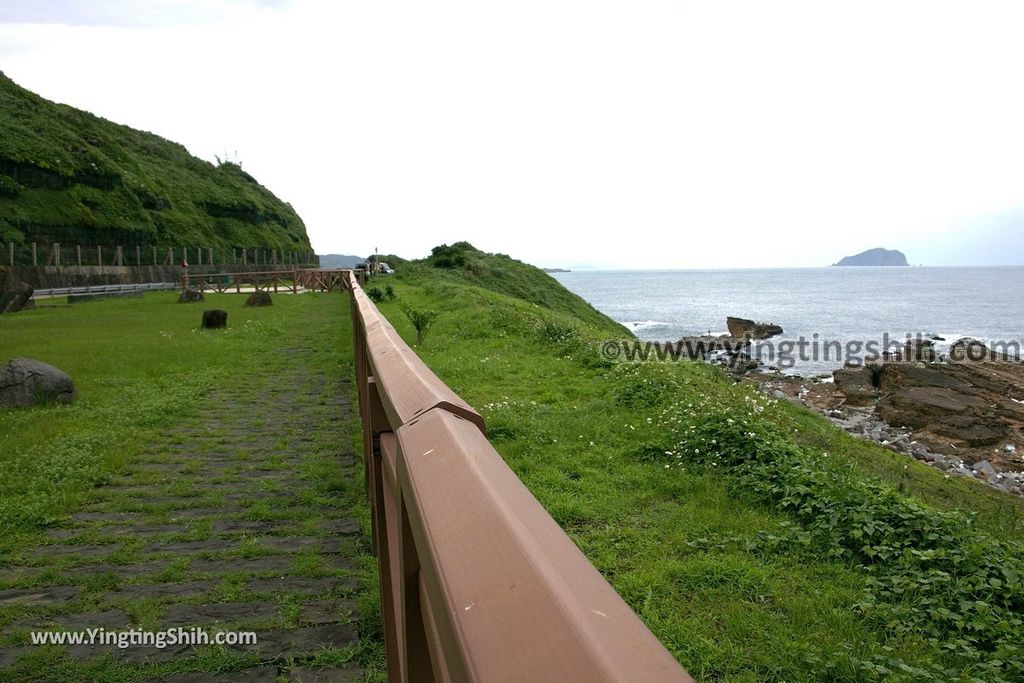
{"x": 15, "y": 295}
{"x": 29, "y": 382}
{"x": 190, "y": 296}
{"x": 260, "y": 297}
{"x": 215, "y": 318}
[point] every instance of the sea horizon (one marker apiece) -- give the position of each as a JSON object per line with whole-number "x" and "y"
{"x": 848, "y": 305}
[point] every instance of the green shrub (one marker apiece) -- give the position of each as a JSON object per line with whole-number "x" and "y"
{"x": 421, "y": 320}
{"x": 375, "y": 295}
{"x": 930, "y": 573}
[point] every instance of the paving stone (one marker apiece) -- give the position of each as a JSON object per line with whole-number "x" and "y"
{"x": 212, "y": 545}
{"x": 134, "y": 487}
{"x": 83, "y": 550}
{"x": 302, "y": 543}
{"x": 147, "y": 530}
{"x": 269, "y": 563}
{"x": 302, "y": 674}
{"x": 263, "y": 674}
{"x": 341, "y": 526}
{"x": 160, "y": 590}
{"x": 159, "y": 466}
{"x": 140, "y": 654}
{"x": 65, "y": 534}
{"x": 104, "y": 517}
{"x": 182, "y": 501}
{"x": 237, "y": 526}
{"x": 300, "y": 641}
{"x": 122, "y": 571}
{"x": 209, "y": 613}
{"x": 328, "y": 612}
{"x": 46, "y": 595}
{"x": 288, "y": 584}
{"x": 200, "y": 513}
{"x": 9, "y": 656}
{"x": 255, "y": 496}
{"x": 109, "y": 619}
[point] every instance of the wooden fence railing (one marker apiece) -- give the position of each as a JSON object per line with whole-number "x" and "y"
{"x": 55, "y": 254}
{"x": 289, "y": 280}
{"x": 478, "y": 583}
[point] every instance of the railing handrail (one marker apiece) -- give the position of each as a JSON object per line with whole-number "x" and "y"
{"x": 478, "y": 582}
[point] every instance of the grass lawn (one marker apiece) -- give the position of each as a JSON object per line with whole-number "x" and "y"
{"x": 147, "y": 379}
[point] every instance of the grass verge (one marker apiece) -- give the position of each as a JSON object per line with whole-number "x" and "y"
{"x": 742, "y": 582}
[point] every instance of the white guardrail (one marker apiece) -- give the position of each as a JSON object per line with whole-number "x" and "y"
{"x": 103, "y": 289}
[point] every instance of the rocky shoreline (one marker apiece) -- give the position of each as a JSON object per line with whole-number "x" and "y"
{"x": 961, "y": 413}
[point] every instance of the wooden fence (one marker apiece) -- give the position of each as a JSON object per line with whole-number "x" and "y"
{"x": 306, "y": 279}
{"x": 54, "y": 254}
{"x": 478, "y": 583}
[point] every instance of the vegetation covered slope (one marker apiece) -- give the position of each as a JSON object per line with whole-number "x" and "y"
{"x": 462, "y": 263}
{"x": 758, "y": 542}
{"x": 70, "y": 177}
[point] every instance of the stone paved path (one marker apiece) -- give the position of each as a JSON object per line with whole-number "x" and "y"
{"x": 236, "y": 520}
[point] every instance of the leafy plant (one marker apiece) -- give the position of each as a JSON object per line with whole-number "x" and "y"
{"x": 929, "y": 573}
{"x": 421, "y": 319}
{"x": 375, "y": 295}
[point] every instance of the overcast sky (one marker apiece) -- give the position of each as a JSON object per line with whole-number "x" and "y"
{"x": 602, "y": 134}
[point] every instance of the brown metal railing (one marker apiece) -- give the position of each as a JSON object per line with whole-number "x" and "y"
{"x": 478, "y": 583}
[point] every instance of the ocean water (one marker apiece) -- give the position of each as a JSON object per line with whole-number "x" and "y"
{"x": 844, "y": 307}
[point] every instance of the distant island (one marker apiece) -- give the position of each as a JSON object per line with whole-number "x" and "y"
{"x": 556, "y": 270}
{"x": 875, "y": 257}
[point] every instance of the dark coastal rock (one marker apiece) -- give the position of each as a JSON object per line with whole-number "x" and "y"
{"x": 894, "y": 376}
{"x": 260, "y": 297}
{"x": 952, "y": 407}
{"x": 922, "y": 350}
{"x": 740, "y": 364}
{"x": 968, "y": 350}
{"x": 190, "y": 296}
{"x": 215, "y": 319}
{"x": 918, "y": 407}
{"x": 27, "y": 382}
{"x": 858, "y": 384}
{"x": 704, "y": 347}
{"x": 15, "y": 295}
{"x": 741, "y": 327}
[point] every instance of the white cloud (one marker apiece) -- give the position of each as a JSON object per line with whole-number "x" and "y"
{"x": 670, "y": 134}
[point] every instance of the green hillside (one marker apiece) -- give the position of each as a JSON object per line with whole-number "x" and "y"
{"x": 462, "y": 263}
{"x": 70, "y": 177}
